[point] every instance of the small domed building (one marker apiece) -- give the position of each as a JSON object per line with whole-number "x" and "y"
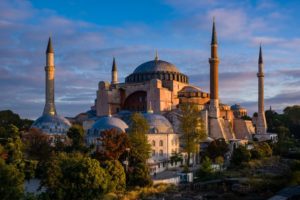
{"x": 102, "y": 124}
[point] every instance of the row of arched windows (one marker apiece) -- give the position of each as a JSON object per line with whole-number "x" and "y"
{"x": 158, "y": 75}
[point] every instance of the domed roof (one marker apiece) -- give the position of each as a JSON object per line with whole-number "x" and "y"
{"x": 52, "y": 124}
{"x": 108, "y": 122}
{"x": 156, "y": 66}
{"x": 190, "y": 89}
{"x": 158, "y": 123}
{"x": 236, "y": 107}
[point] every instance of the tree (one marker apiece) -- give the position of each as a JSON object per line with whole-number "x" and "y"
{"x": 11, "y": 181}
{"x": 11, "y": 131}
{"x": 140, "y": 175}
{"x": 113, "y": 144}
{"x": 139, "y": 151}
{"x": 37, "y": 144}
{"x": 205, "y": 171}
{"x": 192, "y": 129}
{"x": 240, "y": 155}
{"x": 76, "y": 134}
{"x": 261, "y": 150}
{"x": 116, "y": 175}
{"x": 219, "y": 161}
{"x": 74, "y": 176}
{"x": 217, "y": 148}
{"x": 176, "y": 157}
{"x": 140, "y": 148}
{"x": 14, "y": 148}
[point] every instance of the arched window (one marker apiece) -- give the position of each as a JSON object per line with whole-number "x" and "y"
{"x": 161, "y": 143}
{"x": 153, "y": 143}
{"x": 153, "y": 152}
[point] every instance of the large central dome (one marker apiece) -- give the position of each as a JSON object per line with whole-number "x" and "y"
{"x": 156, "y": 69}
{"x": 156, "y": 66}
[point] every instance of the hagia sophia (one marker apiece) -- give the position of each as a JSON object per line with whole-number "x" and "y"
{"x": 156, "y": 88}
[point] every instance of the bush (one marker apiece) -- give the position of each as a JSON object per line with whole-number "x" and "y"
{"x": 240, "y": 155}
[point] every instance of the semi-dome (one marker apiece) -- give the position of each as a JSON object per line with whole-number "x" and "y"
{"x": 156, "y": 66}
{"x": 109, "y": 122}
{"x": 52, "y": 124}
{"x": 158, "y": 123}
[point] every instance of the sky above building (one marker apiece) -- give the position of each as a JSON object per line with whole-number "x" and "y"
{"x": 87, "y": 34}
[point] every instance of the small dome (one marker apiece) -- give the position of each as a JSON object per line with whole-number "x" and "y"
{"x": 236, "y": 107}
{"x": 52, "y": 124}
{"x": 158, "y": 123}
{"x": 106, "y": 123}
{"x": 190, "y": 89}
{"x": 156, "y": 66}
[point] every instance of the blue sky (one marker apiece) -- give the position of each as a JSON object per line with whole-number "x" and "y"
{"x": 87, "y": 34}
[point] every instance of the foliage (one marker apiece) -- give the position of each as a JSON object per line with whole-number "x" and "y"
{"x": 205, "y": 171}
{"x": 261, "y": 150}
{"x": 217, "y": 148}
{"x": 240, "y": 155}
{"x": 140, "y": 176}
{"x": 219, "y": 160}
{"x": 76, "y": 134}
{"x": 113, "y": 145}
{"x": 7, "y": 117}
{"x": 176, "y": 157}
{"x": 140, "y": 148}
{"x": 74, "y": 176}
{"x": 116, "y": 175}
{"x": 11, "y": 181}
{"x": 37, "y": 145}
{"x": 192, "y": 129}
{"x": 14, "y": 148}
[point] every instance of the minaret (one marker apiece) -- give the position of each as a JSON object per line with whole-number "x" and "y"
{"x": 49, "y": 69}
{"x": 261, "y": 126}
{"x": 214, "y": 77}
{"x": 114, "y": 72}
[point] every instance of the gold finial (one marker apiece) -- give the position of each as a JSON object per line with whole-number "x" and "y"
{"x": 156, "y": 55}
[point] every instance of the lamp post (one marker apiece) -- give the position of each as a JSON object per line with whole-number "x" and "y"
{"x": 126, "y": 162}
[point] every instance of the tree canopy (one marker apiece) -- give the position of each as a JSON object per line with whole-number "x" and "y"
{"x": 192, "y": 129}
{"x": 74, "y": 176}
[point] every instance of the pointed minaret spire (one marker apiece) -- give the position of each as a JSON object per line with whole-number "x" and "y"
{"x": 114, "y": 66}
{"x": 260, "y": 58}
{"x": 114, "y": 72}
{"x": 214, "y": 33}
{"x": 261, "y": 125}
{"x": 49, "y": 47}
{"x": 156, "y": 55}
{"x": 49, "y": 108}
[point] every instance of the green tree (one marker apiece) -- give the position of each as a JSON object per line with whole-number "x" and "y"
{"x": 139, "y": 151}
{"x": 76, "y": 134}
{"x": 205, "y": 171}
{"x": 74, "y": 176}
{"x": 140, "y": 175}
{"x": 116, "y": 175}
{"x": 240, "y": 155}
{"x": 217, "y": 148}
{"x": 176, "y": 157}
{"x": 192, "y": 129}
{"x": 15, "y": 148}
{"x": 11, "y": 181}
{"x": 113, "y": 144}
{"x": 140, "y": 148}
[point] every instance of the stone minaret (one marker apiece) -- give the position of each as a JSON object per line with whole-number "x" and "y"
{"x": 261, "y": 125}
{"x": 114, "y": 72}
{"x": 49, "y": 69}
{"x": 214, "y": 77}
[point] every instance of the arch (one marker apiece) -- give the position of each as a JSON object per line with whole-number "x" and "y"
{"x": 136, "y": 101}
